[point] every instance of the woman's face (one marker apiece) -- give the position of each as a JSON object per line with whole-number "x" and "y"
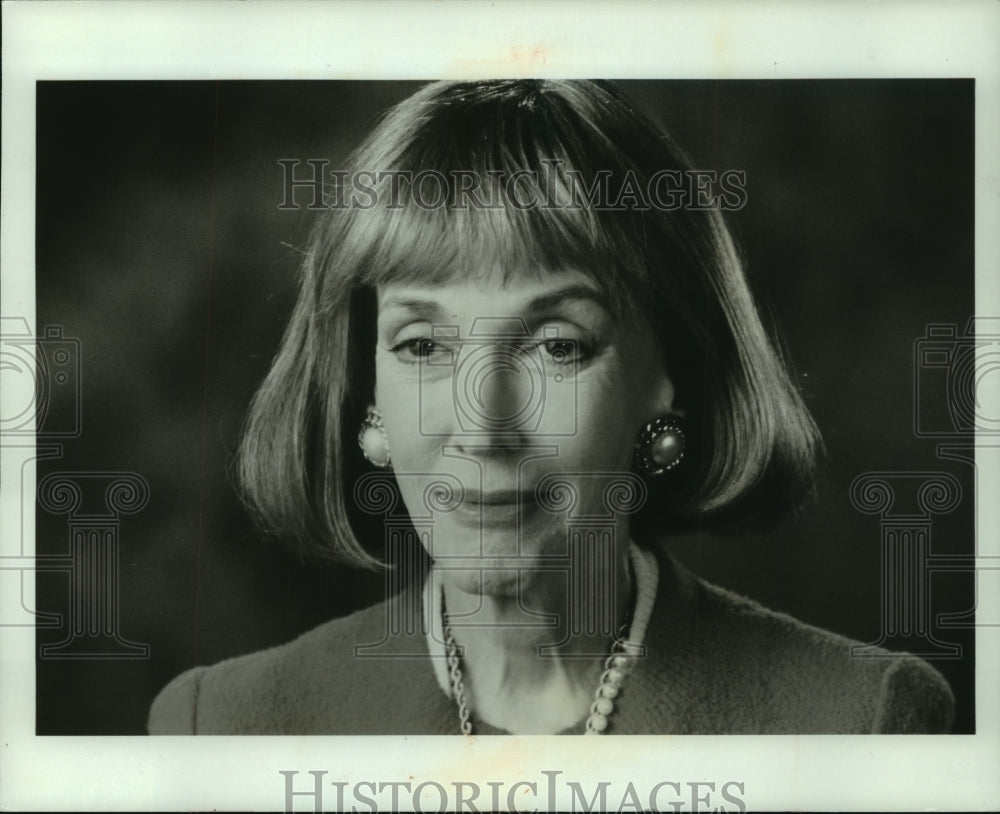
{"x": 492, "y": 388}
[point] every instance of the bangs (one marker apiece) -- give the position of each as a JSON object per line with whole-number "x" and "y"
{"x": 511, "y": 185}
{"x": 438, "y": 246}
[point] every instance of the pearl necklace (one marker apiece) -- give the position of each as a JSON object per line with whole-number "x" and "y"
{"x": 626, "y": 648}
{"x": 616, "y": 666}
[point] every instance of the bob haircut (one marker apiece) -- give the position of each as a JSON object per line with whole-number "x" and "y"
{"x": 751, "y": 441}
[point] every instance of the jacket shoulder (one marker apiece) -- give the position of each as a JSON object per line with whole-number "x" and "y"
{"x": 915, "y": 698}
{"x": 312, "y": 684}
{"x": 815, "y": 678}
{"x": 174, "y": 710}
{"x": 721, "y": 663}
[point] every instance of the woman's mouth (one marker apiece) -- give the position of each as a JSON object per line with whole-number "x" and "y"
{"x": 499, "y": 497}
{"x": 496, "y": 507}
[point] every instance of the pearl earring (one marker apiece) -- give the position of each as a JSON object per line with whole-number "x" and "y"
{"x": 660, "y": 446}
{"x": 373, "y": 440}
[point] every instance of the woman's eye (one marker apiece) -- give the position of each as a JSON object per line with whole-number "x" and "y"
{"x": 413, "y": 350}
{"x": 564, "y": 351}
{"x": 553, "y": 351}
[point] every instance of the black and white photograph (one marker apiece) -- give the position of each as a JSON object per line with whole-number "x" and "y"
{"x": 546, "y": 401}
{"x": 532, "y": 310}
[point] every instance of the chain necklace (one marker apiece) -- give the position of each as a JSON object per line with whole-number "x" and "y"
{"x": 616, "y": 666}
{"x": 626, "y": 648}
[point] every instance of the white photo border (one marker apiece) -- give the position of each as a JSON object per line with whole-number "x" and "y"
{"x": 408, "y": 40}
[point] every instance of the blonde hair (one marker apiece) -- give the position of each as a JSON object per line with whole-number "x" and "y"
{"x": 751, "y": 441}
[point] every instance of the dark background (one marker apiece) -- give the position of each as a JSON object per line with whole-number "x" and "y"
{"x": 160, "y": 246}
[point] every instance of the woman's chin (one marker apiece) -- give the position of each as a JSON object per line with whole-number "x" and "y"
{"x": 494, "y": 582}
{"x": 502, "y": 563}
{"x": 495, "y": 577}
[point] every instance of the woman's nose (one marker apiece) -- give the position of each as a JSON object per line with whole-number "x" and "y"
{"x": 500, "y": 396}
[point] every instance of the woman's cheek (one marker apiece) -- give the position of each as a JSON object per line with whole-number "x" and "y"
{"x": 393, "y": 396}
{"x": 606, "y": 411}
{"x": 431, "y": 408}
{"x": 417, "y": 420}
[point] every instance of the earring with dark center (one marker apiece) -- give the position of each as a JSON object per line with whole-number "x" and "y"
{"x": 660, "y": 446}
{"x": 373, "y": 440}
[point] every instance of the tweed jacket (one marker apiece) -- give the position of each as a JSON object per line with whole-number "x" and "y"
{"x": 716, "y": 663}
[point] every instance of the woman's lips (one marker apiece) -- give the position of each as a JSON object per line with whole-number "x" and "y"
{"x": 496, "y": 507}
{"x": 499, "y": 497}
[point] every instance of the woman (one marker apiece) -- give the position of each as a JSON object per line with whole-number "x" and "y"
{"x": 529, "y": 312}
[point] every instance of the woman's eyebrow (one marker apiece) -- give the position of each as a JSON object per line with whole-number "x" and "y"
{"x": 552, "y": 299}
{"x": 425, "y": 309}
{"x": 432, "y": 311}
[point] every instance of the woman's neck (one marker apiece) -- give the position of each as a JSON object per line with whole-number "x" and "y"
{"x": 530, "y": 665}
